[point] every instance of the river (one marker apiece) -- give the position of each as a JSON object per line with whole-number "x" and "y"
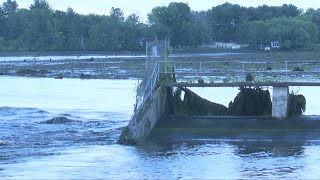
{"x": 39, "y": 57}
{"x": 86, "y": 148}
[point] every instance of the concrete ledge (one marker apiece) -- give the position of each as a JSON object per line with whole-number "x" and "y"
{"x": 143, "y": 121}
{"x": 180, "y": 129}
{"x": 239, "y": 123}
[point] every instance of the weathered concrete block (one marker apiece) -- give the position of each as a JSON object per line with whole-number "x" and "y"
{"x": 144, "y": 119}
{"x": 280, "y": 101}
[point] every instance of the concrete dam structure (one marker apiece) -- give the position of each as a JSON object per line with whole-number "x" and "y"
{"x": 153, "y": 107}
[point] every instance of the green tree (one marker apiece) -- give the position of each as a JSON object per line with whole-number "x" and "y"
{"x": 300, "y": 34}
{"x": 40, "y": 28}
{"x": 225, "y": 20}
{"x": 2, "y": 22}
{"x": 9, "y": 7}
{"x": 17, "y": 25}
{"x": 39, "y": 32}
{"x": 116, "y": 14}
{"x": 177, "y": 22}
{"x": 133, "y": 33}
{"x": 257, "y": 33}
{"x": 313, "y": 16}
{"x": 40, "y": 4}
{"x": 2, "y": 44}
{"x": 72, "y": 30}
{"x": 228, "y": 21}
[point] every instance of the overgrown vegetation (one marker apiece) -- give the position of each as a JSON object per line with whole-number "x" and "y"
{"x": 249, "y": 102}
{"x": 193, "y": 105}
{"x": 41, "y": 28}
{"x": 297, "y": 104}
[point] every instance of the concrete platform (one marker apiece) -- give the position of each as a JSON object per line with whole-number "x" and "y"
{"x": 236, "y": 128}
{"x": 299, "y": 123}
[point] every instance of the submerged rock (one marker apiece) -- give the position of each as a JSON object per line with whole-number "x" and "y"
{"x": 58, "y": 120}
{"x": 251, "y": 102}
{"x": 91, "y": 59}
{"x": 298, "y": 69}
{"x": 200, "y": 81}
{"x": 269, "y": 68}
{"x": 3, "y": 143}
{"x": 85, "y": 76}
{"x": 58, "y": 77}
{"x": 31, "y": 72}
{"x": 27, "y": 71}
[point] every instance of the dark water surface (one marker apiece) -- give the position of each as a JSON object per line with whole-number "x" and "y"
{"x": 83, "y": 144}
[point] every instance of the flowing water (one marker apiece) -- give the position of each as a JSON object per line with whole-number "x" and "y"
{"x": 83, "y": 145}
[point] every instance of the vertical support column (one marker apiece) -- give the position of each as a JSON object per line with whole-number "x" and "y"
{"x": 243, "y": 77}
{"x": 280, "y": 102}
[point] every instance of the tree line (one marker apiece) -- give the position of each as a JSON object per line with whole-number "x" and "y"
{"x": 40, "y": 28}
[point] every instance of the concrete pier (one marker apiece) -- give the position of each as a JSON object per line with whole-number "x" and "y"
{"x": 155, "y": 106}
{"x": 146, "y": 117}
{"x": 280, "y": 101}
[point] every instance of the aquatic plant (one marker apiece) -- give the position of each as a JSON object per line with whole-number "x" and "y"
{"x": 297, "y": 104}
{"x": 249, "y": 77}
{"x": 251, "y": 101}
{"x": 193, "y": 105}
{"x": 298, "y": 69}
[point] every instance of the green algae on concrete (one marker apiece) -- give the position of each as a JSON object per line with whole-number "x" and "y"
{"x": 297, "y": 105}
{"x": 251, "y": 102}
{"x": 192, "y": 104}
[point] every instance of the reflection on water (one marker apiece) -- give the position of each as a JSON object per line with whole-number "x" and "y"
{"x": 269, "y": 148}
{"x": 85, "y": 146}
{"x": 186, "y": 160}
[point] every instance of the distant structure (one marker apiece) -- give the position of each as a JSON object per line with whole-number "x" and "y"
{"x": 274, "y": 45}
{"x": 269, "y": 46}
{"x": 223, "y": 45}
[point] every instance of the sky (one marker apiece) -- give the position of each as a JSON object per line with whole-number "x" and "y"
{"x": 143, "y": 7}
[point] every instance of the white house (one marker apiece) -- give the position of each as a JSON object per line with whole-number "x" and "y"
{"x": 275, "y": 45}
{"x": 222, "y": 45}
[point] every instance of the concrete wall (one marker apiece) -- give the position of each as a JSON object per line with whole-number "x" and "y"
{"x": 280, "y": 101}
{"x": 143, "y": 121}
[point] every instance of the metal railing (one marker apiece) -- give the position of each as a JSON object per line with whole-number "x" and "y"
{"x": 148, "y": 87}
{"x": 237, "y": 71}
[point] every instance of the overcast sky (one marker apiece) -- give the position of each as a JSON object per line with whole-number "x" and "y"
{"x": 142, "y": 7}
